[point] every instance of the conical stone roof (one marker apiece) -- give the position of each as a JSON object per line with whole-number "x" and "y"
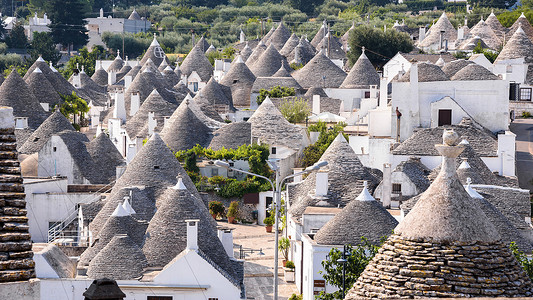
{"x": 426, "y": 72}
{"x": 60, "y": 84}
{"x": 42, "y": 88}
{"x": 315, "y": 91}
{"x": 154, "y": 103}
{"x": 215, "y": 94}
{"x": 471, "y": 44}
{"x": 240, "y": 81}
{"x": 202, "y": 44}
{"x": 434, "y": 33}
{"x": 171, "y": 78}
{"x": 319, "y": 36}
{"x": 144, "y": 84}
{"x": 163, "y": 66}
{"x": 346, "y": 177}
{"x": 474, "y": 72}
{"x": 246, "y": 52}
{"x": 185, "y": 129}
{"x": 116, "y": 65}
{"x": 100, "y": 76}
{"x": 279, "y": 37}
{"x": 495, "y": 24}
{"x": 232, "y": 136}
{"x": 258, "y": 50}
{"x": 88, "y": 83}
{"x": 519, "y": 45}
{"x": 197, "y": 61}
{"x": 289, "y": 45}
{"x": 346, "y": 36}
{"x": 486, "y": 34}
{"x": 166, "y": 235}
{"x": 320, "y": 72}
{"x": 15, "y": 93}
{"x": 446, "y": 226}
{"x": 104, "y": 153}
{"x": 54, "y": 124}
{"x": 524, "y": 24}
{"x": 332, "y": 47}
{"x": 306, "y": 52}
{"x": 362, "y": 217}
{"x": 284, "y": 70}
{"x": 267, "y": 36}
{"x": 362, "y": 75}
{"x": 268, "y": 64}
{"x": 451, "y": 68}
{"x": 155, "y": 53}
{"x": 181, "y": 91}
{"x": 121, "y": 259}
{"x": 134, "y": 71}
{"x": 134, "y": 15}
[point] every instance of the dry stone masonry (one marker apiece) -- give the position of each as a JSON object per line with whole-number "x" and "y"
{"x": 16, "y": 263}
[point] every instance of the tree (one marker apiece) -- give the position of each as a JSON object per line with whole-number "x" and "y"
{"x": 381, "y": 46}
{"x": 86, "y": 59}
{"x": 68, "y": 23}
{"x": 275, "y": 92}
{"x": 357, "y": 260}
{"x": 73, "y": 108}
{"x": 43, "y": 45}
{"x": 306, "y": 6}
{"x": 17, "y": 38}
{"x": 312, "y": 153}
{"x": 3, "y": 31}
{"x": 295, "y": 110}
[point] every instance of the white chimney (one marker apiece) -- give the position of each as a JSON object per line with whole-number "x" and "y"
{"x": 242, "y": 37}
{"x": 76, "y": 78}
{"x": 101, "y": 12}
{"x": 135, "y": 103}
{"x": 460, "y": 33}
{"x": 383, "y": 92}
{"x": 386, "y": 186}
{"x": 321, "y": 189}
{"x": 192, "y": 234}
{"x": 421, "y": 34}
{"x": 120, "y": 110}
{"x": 111, "y": 77}
{"x": 45, "y": 106}
{"x": 21, "y": 123}
{"x": 152, "y": 123}
{"x": 225, "y": 235}
{"x": 120, "y": 169}
{"x": 127, "y": 81}
{"x": 316, "y": 104}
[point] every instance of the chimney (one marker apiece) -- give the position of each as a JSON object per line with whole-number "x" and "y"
{"x": 441, "y": 39}
{"x": 321, "y": 189}
{"x": 20, "y": 122}
{"x": 421, "y": 34}
{"x": 135, "y": 102}
{"x": 111, "y": 77}
{"x": 127, "y": 81}
{"x": 76, "y": 80}
{"x": 298, "y": 54}
{"x": 383, "y": 93}
{"x": 460, "y": 33}
{"x": 192, "y": 234}
{"x": 120, "y": 110}
{"x": 101, "y": 12}
{"x": 242, "y": 37}
{"x": 225, "y": 235}
{"x": 316, "y": 104}
{"x": 386, "y": 186}
{"x": 152, "y": 123}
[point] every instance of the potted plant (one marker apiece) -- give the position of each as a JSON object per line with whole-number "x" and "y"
{"x": 216, "y": 209}
{"x": 233, "y": 211}
{"x": 268, "y": 221}
{"x": 283, "y": 245}
{"x": 289, "y": 271}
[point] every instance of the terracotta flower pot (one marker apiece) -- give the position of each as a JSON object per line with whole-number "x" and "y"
{"x": 284, "y": 263}
{"x": 231, "y": 220}
{"x": 268, "y": 228}
{"x": 214, "y": 216}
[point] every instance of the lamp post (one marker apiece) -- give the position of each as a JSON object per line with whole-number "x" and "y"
{"x": 343, "y": 261}
{"x": 276, "y": 189}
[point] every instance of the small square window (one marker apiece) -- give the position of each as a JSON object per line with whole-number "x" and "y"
{"x": 273, "y": 151}
{"x": 231, "y": 164}
{"x": 214, "y": 172}
{"x": 55, "y": 149}
{"x": 367, "y": 95}
{"x": 156, "y": 167}
{"x": 396, "y": 188}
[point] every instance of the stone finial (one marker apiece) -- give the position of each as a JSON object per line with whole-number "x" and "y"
{"x": 450, "y": 149}
{"x": 450, "y": 137}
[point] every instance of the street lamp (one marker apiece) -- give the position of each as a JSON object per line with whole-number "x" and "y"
{"x": 343, "y": 261}
{"x": 277, "y": 200}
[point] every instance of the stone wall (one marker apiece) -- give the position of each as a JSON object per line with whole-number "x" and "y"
{"x": 245, "y": 210}
{"x": 16, "y": 261}
{"x": 420, "y": 268}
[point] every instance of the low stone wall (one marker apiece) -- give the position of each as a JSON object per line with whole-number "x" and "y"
{"x": 23, "y": 290}
{"x": 422, "y": 268}
{"x": 245, "y": 210}
{"x": 521, "y": 106}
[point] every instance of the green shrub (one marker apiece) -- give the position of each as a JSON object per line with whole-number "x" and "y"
{"x": 269, "y": 221}
{"x": 216, "y": 208}
{"x": 295, "y": 110}
{"x": 296, "y": 297}
{"x": 521, "y": 257}
{"x": 289, "y": 265}
{"x": 275, "y": 92}
{"x": 233, "y": 210}
{"x": 283, "y": 246}
{"x": 526, "y": 114}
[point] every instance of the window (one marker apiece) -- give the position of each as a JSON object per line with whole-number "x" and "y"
{"x": 55, "y": 149}
{"x": 214, "y": 172}
{"x": 396, "y": 188}
{"x": 514, "y": 88}
{"x": 509, "y": 69}
{"x": 445, "y": 117}
{"x": 158, "y": 297}
{"x": 367, "y": 94}
{"x": 195, "y": 86}
{"x": 156, "y": 167}
{"x": 273, "y": 151}
{"x": 231, "y": 164}
{"x": 212, "y": 299}
{"x": 525, "y": 94}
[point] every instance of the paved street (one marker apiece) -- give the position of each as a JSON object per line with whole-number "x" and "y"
{"x": 258, "y": 268}
{"x": 523, "y": 128}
